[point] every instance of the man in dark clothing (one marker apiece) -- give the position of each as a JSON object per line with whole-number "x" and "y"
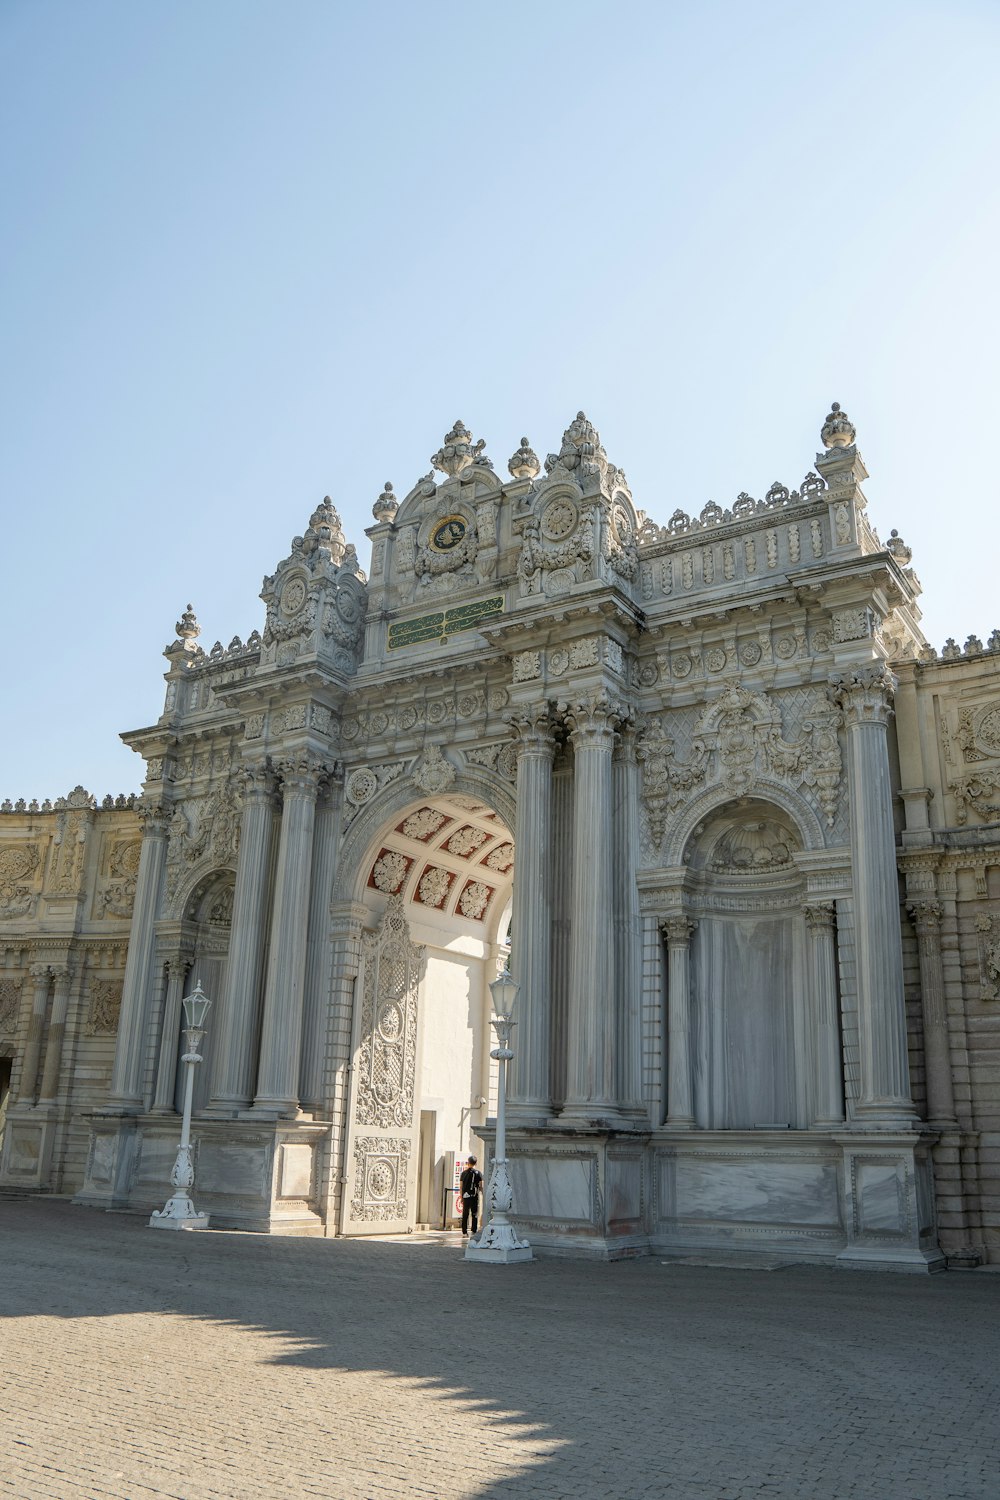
{"x": 471, "y": 1184}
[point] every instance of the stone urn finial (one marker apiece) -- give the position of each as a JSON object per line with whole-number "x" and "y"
{"x": 898, "y": 549}
{"x": 838, "y": 430}
{"x": 386, "y": 505}
{"x": 457, "y": 451}
{"x": 188, "y": 630}
{"x": 524, "y": 463}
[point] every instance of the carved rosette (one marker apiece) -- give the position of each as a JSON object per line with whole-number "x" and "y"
{"x": 434, "y": 772}
{"x": 864, "y": 694}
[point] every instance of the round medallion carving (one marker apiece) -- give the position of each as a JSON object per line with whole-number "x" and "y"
{"x": 380, "y": 1180}
{"x": 715, "y": 659}
{"x": 749, "y": 653}
{"x": 681, "y": 666}
{"x": 378, "y": 723}
{"x": 988, "y": 729}
{"x": 558, "y": 661}
{"x": 622, "y": 525}
{"x": 558, "y": 520}
{"x": 348, "y": 607}
{"x": 361, "y": 786}
{"x": 293, "y": 596}
{"x": 448, "y": 533}
{"x": 407, "y": 718}
{"x": 390, "y": 1023}
{"x": 784, "y": 646}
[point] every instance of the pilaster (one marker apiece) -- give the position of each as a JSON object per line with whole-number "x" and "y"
{"x": 530, "y": 1087}
{"x": 126, "y": 1076}
{"x": 592, "y": 1020}
{"x": 865, "y": 695}
{"x": 281, "y": 1026}
{"x": 239, "y": 1011}
{"x": 828, "y": 1078}
{"x": 678, "y": 931}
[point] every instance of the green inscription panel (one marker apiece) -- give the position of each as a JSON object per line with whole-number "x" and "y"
{"x": 443, "y": 623}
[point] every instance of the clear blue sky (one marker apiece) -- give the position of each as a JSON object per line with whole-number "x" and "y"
{"x": 253, "y": 253}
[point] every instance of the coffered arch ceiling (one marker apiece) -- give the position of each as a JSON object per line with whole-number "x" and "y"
{"x": 449, "y": 856}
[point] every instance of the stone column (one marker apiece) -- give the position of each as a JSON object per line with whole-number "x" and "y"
{"x": 926, "y": 919}
{"x": 680, "y": 1094}
{"x": 36, "y": 1030}
{"x": 561, "y": 871}
{"x": 281, "y": 1028}
{"x": 592, "y": 1013}
{"x": 235, "y": 1053}
{"x": 828, "y": 1065}
{"x": 531, "y": 921}
{"x": 865, "y": 695}
{"x": 166, "y": 1073}
{"x": 347, "y": 932}
{"x": 628, "y": 928}
{"x": 126, "y": 1075}
{"x": 57, "y": 1032}
{"x": 317, "y": 981}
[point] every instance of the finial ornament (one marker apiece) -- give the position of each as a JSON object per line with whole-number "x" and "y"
{"x": 188, "y": 630}
{"x": 325, "y": 532}
{"x": 524, "y": 463}
{"x": 458, "y": 451}
{"x": 838, "y": 430}
{"x": 898, "y": 549}
{"x": 386, "y": 505}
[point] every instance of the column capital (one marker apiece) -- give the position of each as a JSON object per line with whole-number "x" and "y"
{"x": 256, "y": 780}
{"x": 534, "y": 730}
{"x": 678, "y": 930}
{"x": 178, "y": 964}
{"x": 592, "y": 722}
{"x": 62, "y": 973}
{"x": 301, "y": 775}
{"x": 864, "y": 693}
{"x": 819, "y": 915}
{"x": 627, "y": 741}
{"x": 39, "y": 971}
{"x": 925, "y": 916}
{"x": 154, "y": 816}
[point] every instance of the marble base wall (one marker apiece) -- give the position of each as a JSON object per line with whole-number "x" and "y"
{"x": 265, "y": 1176}
{"x": 850, "y": 1199}
{"x": 26, "y": 1160}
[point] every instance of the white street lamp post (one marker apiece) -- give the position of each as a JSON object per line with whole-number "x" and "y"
{"x": 498, "y": 1242}
{"x": 179, "y": 1211}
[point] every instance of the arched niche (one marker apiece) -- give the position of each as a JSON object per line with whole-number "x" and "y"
{"x": 753, "y": 1032}
{"x": 207, "y": 919}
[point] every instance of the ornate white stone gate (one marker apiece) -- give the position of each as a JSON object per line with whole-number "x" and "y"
{"x": 383, "y": 1112}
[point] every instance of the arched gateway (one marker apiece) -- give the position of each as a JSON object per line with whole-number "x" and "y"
{"x": 662, "y": 756}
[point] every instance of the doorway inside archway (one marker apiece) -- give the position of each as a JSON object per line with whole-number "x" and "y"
{"x": 438, "y": 885}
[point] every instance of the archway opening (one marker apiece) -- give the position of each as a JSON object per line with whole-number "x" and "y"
{"x": 437, "y": 885}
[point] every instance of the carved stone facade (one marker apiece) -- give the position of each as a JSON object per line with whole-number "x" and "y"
{"x": 687, "y": 764}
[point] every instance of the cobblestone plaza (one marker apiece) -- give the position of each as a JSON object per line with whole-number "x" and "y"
{"x": 223, "y": 1365}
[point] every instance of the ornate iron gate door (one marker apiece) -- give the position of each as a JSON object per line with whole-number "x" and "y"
{"x": 384, "y": 1113}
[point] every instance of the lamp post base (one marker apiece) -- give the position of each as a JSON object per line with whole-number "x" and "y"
{"x": 498, "y": 1245}
{"x": 178, "y": 1213}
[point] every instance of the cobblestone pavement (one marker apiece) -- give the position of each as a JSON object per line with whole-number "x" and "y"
{"x": 215, "y": 1366}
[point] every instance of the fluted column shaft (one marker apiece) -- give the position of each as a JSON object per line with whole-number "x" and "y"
{"x": 36, "y": 1030}
{"x": 529, "y": 1085}
{"x": 628, "y": 923}
{"x": 317, "y": 981}
{"x": 680, "y": 1093}
{"x": 561, "y": 870}
{"x": 166, "y": 1073}
{"x": 56, "y": 1035}
{"x": 828, "y": 1067}
{"x": 281, "y": 1027}
{"x": 926, "y": 918}
{"x": 235, "y": 1052}
{"x": 884, "y": 1100}
{"x": 126, "y": 1075}
{"x": 592, "y": 1013}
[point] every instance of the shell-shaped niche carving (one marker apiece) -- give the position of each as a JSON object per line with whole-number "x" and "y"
{"x": 747, "y": 838}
